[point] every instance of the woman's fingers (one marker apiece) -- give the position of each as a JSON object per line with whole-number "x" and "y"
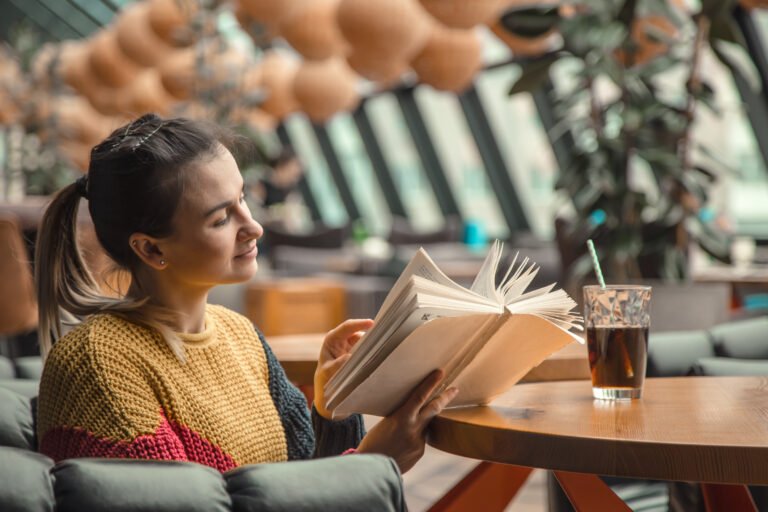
{"x": 421, "y": 394}
{"x": 437, "y": 404}
{"x": 337, "y": 341}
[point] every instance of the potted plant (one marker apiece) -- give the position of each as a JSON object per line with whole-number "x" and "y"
{"x": 636, "y": 88}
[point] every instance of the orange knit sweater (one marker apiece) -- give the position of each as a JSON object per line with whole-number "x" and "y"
{"x": 111, "y": 388}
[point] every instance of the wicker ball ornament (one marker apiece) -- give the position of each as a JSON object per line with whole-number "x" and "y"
{"x": 376, "y": 68}
{"x": 450, "y": 59}
{"x": 312, "y": 30}
{"x": 277, "y": 74}
{"x": 324, "y": 88}
{"x": 108, "y": 61}
{"x": 385, "y": 29}
{"x": 136, "y": 38}
{"x": 171, "y": 20}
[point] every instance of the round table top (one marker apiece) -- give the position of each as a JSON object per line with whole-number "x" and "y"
{"x": 699, "y": 429}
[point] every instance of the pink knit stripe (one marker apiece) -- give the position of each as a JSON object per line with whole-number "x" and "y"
{"x": 170, "y": 441}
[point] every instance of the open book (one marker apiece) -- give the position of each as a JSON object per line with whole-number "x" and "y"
{"x": 485, "y": 338}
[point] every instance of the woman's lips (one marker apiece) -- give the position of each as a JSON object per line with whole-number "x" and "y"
{"x": 250, "y": 253}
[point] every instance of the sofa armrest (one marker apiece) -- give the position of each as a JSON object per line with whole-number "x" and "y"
{"x": 342, "y": 484}
{"x": 672, "y": 354}
{"x": 726, "y": 366}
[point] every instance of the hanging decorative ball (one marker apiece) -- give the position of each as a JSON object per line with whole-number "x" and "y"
{"x": 270, "y": 12}
{"x": 261, "y": 33}
{"x": 387, "y": 29}
{"x": 312, "y": 30}
{"x": 278, "y": 72}
{"x": 378, "y": 69}
{"x": 146, "y": 94}
{"x": 463, "y": 13}
{"x": 108, "y": 62}
{"x": 137, "y": 39}
{"x": 178, "y": 75}
{"x": 172, "y": 19}
{"x": 10, "y": 111}
{"x": 255, "y": 118}
{"x": 325, "y": 87}
{"x": 450, "y": 59}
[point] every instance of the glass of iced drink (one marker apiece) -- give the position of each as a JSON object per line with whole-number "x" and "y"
{"x": 617, "y": 319}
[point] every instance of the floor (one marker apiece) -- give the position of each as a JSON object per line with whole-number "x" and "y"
{"x": 437, "y": 472}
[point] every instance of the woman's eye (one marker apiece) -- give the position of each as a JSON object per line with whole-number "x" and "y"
{"x": 222, "y": 221}
{"x": 242, "y": 197}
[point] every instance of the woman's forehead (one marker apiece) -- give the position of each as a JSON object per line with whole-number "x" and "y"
{"x": 213, "y": 180}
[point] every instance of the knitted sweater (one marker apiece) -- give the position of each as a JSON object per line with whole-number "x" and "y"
{"x": 111, "y": 388}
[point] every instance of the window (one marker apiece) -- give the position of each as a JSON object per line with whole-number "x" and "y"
{"x": 359, "y": 174}
{"x": 524, "y": 145}
{"x": 316, "y": 170}
{"x": 408, "y": 175}
{"x": 460, "y": 159}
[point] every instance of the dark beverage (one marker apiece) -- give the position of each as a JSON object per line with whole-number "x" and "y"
{"x": 617, "y": 357}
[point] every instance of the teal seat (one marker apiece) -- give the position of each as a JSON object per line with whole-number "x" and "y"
{"x": 727, "y": 366}
{"x": 745, "y": 339}
{"x": 30, "y": 481}
{"x": 672, "y": 354}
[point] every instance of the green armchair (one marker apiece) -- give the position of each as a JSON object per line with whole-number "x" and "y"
{"x": 30, "y": 481}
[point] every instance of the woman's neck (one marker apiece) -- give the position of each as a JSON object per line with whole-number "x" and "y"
{"x": 188, "y": 305}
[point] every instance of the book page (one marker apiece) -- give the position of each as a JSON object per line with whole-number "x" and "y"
{"x": 485, "y": 281}
{"x": 420, "y": 265}
{"x": 521, "y": 343}
{"x": 429, "y": 347}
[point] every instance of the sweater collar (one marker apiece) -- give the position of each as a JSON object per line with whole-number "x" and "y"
{"x": 201, "y": 339}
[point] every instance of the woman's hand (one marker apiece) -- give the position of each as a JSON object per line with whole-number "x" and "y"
{"x": 402, "y": 434}
{"x": 334, "y": 354}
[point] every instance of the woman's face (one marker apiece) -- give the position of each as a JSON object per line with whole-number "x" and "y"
{"x": 214, "y": 239}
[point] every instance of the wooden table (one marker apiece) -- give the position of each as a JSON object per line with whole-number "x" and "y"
{"x": 298, "y": 356}
{"x": 700, "y": 429}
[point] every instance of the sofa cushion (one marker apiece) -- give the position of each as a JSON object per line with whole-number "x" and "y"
{"x": 17, "y": 427}
{"x": 724, "y": 367}
{"x": 25, "y": 482}
{"x": 117, "y": 485}
{"x": 6, "y": 368}
{"x": 746, "y": 339}
{"x": 365, "y": 482}
{"x": 672, "y": 354}
{"x": 27, "y": 388}
{"x": 29, "y": 367}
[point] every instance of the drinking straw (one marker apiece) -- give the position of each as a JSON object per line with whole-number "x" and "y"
{"x": 628, "y": 369}
{"x": 596, "y": 263}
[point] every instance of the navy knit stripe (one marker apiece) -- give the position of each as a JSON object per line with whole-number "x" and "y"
{"x": 307, "y": 436}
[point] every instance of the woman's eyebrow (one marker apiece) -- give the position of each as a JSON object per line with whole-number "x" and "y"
{"x": 223, "y": 204}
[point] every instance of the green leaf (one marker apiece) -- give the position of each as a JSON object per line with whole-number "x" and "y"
{"x": 534, "y": 74}
{"x": 531, "y": 22}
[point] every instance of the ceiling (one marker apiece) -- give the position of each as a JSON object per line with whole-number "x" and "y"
{"x": 56, "y": 20}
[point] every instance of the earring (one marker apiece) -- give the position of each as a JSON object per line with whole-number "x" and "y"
{"x": 162, "y": 262}
{"x": 135, "y": 243}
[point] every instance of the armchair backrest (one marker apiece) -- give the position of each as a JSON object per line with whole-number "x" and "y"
{"x": 30, "y": 481}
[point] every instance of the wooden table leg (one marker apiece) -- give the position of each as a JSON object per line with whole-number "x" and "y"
{"x": 588, "y": 493}
{"x": 731, "y": 498}
{"x": 489, "y": 487}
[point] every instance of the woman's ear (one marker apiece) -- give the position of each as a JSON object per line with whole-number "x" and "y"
{"x": 148, "y": 251}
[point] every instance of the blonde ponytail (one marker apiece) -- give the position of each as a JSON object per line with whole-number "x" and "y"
{"x": 66, "y": 289}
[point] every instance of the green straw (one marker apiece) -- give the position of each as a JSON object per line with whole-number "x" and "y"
{"x": 596, "y": 263}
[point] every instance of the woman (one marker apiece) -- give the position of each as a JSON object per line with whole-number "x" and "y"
{"x": 159, "y": 374}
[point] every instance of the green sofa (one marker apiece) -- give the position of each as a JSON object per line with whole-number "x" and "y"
{"x": 30, "y": 481}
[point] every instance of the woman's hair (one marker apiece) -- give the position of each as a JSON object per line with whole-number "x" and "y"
{"x": 135, "y": 180}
